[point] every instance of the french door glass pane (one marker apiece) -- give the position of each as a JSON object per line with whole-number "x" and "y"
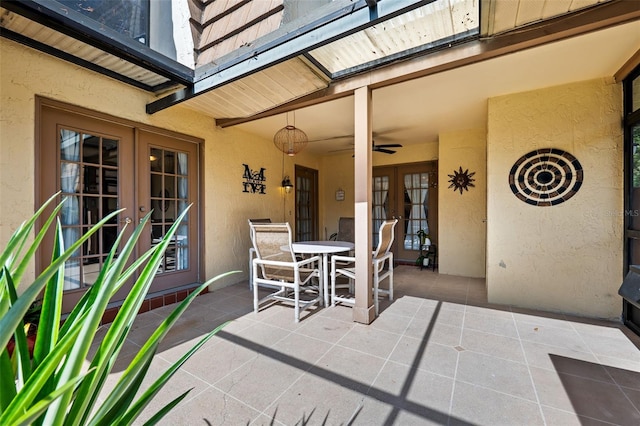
{"x": 169, "y": 198}
{"x": 92, "y": 161}
{"x": 416, "y": 195}
{"x": 380, "y": 204}
{"x": 304, "y": 217}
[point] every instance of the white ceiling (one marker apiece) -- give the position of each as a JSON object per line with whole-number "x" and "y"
{"x": 418, "y": 110}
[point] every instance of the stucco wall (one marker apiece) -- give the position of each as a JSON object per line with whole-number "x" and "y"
{"x": 337, "y": 173}
{"x": 26, "y": 73}
{"x": 568, "y": 257}
{"x": 461, "y": 216}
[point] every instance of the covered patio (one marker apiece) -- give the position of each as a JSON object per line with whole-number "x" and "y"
{"x": 438, "y": 354}
{"x": 480, "y": 341}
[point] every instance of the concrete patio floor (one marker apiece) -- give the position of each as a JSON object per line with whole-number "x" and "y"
{"x": 438, "y": 354}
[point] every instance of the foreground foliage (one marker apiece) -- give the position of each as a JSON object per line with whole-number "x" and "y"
{"x": 61, "y": 382}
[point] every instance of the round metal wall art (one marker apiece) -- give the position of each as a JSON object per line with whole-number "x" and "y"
{"x": 546, "y": 177}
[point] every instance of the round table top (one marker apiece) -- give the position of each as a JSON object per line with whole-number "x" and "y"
{"x": 322, "y": 246}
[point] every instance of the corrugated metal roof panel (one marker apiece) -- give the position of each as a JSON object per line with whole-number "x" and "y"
{"x": 428, "y": 24}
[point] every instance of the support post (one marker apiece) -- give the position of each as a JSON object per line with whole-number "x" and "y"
{"x": 363, "y": 310}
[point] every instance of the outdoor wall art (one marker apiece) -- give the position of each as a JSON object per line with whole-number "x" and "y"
{"x": 546, "y": 177}
{"x": 254, "y": 181}
{"x": 461, "y": 180}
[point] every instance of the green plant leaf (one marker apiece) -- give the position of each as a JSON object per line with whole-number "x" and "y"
{"x": 20, "y": 350}
{"x": 34, "y": 412}
{"x": 28, "y": 256}
{"x": 166, "y": 409}
{"x": 53, "y": 389}
{"x": 148, "y": 350}
{"x": 38, "y": 379}
{"x": 13, "y": 317}
{"x": 21, "y": 235}
{"x": 50, "y": 313}
{"x": 136, "y": 409}
{"x": 113, "y": 340}
{"x": 7, "y": 381}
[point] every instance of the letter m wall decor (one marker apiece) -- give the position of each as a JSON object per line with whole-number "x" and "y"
{"x": 254, "y": 181}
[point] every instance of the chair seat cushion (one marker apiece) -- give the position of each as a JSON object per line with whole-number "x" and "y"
{"x": 287, "y": 274}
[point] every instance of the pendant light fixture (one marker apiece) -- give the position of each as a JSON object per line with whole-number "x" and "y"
{"x": 290, "y": 139}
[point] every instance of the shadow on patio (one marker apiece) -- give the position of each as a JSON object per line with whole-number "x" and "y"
{"x": 438, "y": 354}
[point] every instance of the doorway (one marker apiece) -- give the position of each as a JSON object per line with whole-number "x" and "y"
{"x": 306, "y": 204}
{"x": 100, "y": 165}
{"x": 407, "y": 192}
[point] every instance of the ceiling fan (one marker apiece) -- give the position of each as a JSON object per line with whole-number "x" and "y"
{"x": 384, "y": 148}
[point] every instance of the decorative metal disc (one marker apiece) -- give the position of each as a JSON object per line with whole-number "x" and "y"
{"x": 546, "y": 177}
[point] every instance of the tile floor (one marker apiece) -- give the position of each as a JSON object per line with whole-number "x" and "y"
{"x": 439, "y": 354}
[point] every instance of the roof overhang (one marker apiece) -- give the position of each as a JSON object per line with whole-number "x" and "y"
{"x": 548, "y": 31}
{"x": 52, "y": 28}
{"x": 333, "y": 22}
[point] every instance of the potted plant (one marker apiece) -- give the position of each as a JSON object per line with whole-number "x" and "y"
{"x": 63, "y": 380}
{"x": 424, "y": 237}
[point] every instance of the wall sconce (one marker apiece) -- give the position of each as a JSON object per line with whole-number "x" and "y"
{"x": 287, "y": 185}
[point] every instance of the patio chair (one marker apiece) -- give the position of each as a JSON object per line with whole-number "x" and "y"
{"x": 252, "y": 251}
{"x": 346, "y": 229}
{"x": 382, "y": 268}
{"x": 275, "y": 267}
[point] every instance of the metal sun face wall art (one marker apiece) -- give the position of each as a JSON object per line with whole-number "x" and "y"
{"x": 461, "y": 180}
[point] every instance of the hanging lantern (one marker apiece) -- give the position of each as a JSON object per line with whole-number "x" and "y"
{"x": 290, "y": 140}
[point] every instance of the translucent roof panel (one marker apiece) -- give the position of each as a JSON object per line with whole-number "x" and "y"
{"x": 432, "y": 26}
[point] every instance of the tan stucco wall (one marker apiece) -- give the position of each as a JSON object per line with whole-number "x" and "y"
{"x": 337, "y": 173}
{"x": 566, "y": 258}
{"x": 461, "y": 216}
{"x": 26, "y": 73}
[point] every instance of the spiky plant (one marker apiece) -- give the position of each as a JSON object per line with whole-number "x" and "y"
{"x": 54, "y": 386}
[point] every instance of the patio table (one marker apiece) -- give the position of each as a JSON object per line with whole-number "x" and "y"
{"x": 324, "y": 248}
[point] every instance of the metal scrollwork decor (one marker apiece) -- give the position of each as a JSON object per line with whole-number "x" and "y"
{"x": 254, "y": 181}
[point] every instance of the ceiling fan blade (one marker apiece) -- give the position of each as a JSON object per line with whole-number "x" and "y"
{"x": 386, "y": 151}
{"x": 332, "y": 138}
{"x": 389, "y": 145}
{"x": 340, "y": 150}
